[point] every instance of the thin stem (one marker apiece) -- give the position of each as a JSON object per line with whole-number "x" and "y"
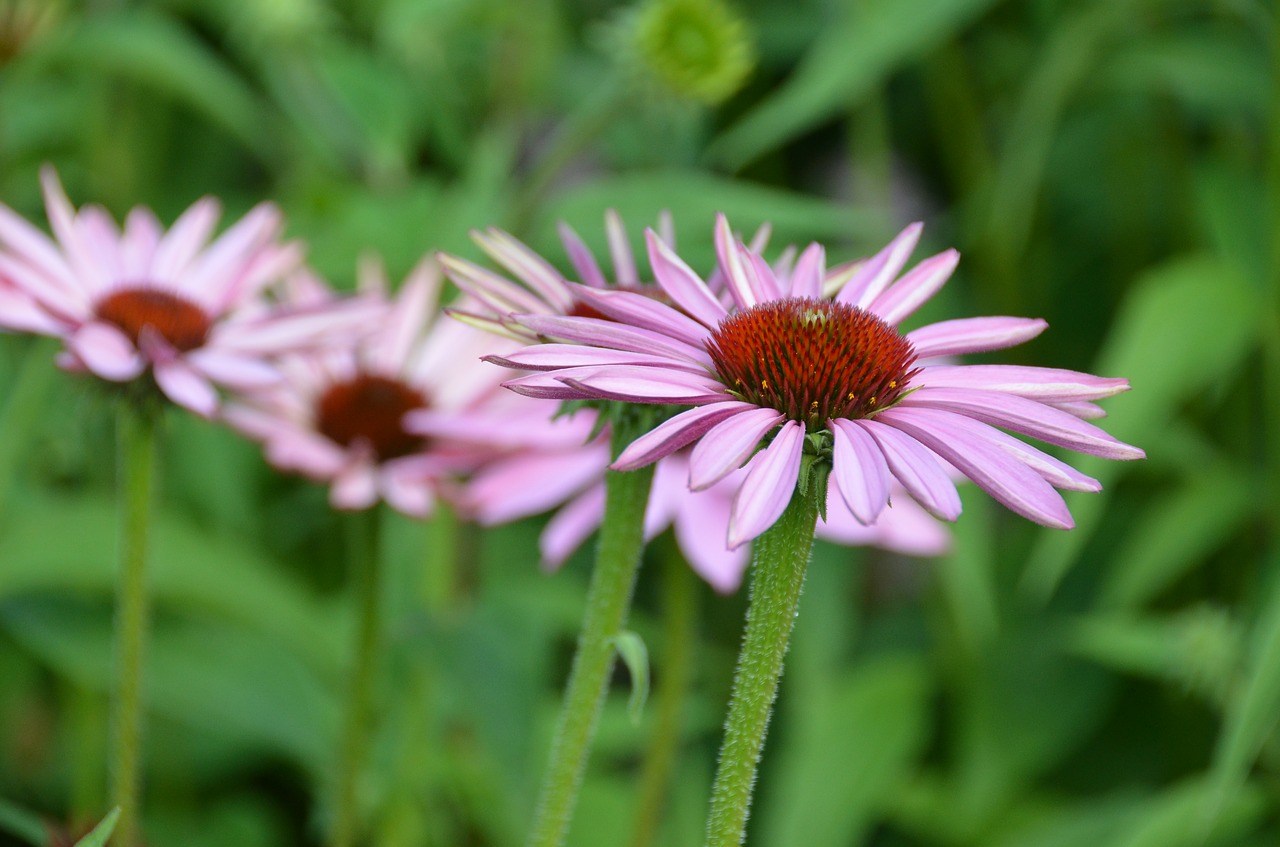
{"x": 608, "y": 600}
{"x": 778, "y": 568}
{"x": 680, "y": 608}
{"x": 365, "y": 563}
{"x": 137, "y": 446}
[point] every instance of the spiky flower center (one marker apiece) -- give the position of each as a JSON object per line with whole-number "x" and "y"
{"x": 812, "y": 360}
{"x": 175, "y": 319}
{"x": 370, "y": 408}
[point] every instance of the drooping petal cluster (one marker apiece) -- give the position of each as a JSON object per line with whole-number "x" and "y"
{"x": 339, "y": 415}
{"x": 189, "y": 311}
{"x": 799, "y": 361}
{"x": 556, "y": 451}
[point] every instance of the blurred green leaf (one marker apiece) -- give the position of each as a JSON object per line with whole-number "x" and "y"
{"x": 852, "y": 57}
{"x": 154, "y": 50}
{"x": 22, "y": 823}
{"x": 98, "y": 836}
{"x": 631, "y": 649}
{"x": 1185, "y": 326}
{"x": 847, "y": 753}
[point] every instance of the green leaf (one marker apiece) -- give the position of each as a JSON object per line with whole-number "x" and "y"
{"x": 1203, "y": 319}
{"x": 852, "y": 58}
{"x": 635, "y": 656}
{"x": 21, "y": 823}
{"x": 98, "y": 836}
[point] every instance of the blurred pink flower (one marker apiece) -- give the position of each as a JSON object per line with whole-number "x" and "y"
{"x": 127, "y": 302}
{"x": 338, "y": 416}
{"x": 800, "y": 365}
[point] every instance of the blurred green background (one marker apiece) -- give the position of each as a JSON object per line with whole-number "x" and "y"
{"x": 1110, "y": 165}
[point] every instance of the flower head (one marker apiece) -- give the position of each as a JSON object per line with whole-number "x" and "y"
{"x": 800, "y": 368}
{"x": 339, "y": 414}
{"x": 128, "y": 302}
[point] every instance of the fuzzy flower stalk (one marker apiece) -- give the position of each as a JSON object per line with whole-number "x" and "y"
{"x": 165, "y": 316}
{"x": 800, "y": 379}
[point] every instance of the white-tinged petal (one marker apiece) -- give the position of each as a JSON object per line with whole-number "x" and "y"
{"x": 676, "y": 432}
{"x": 874, "y": 275}
{"x": 728, "y": 445}
{"x": 1050, "y": 385}
{"x": 681, "y": 284}
{"x": 918, "y": 469}
{"x": 496, "y": 292}
{"x": 996, "y": 472}
{"x": 810, "y": 269}
{"x": 859, "y": 470}
{"x": 186, "y": 386}
{"x": 733, "y": 267}
{"x": 530, "y": 268}
{"x": 914, "y": 289}
{"x": 624, "y": 261}
{"x": 973, "y": 335}
{"x": 1082, "y": 409}
{"x": 768, "y": 485}
{"x": 106, "y": 351}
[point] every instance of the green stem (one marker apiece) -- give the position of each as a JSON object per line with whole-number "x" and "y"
{"x": 365, "y": 563}
{"x": 137, "y": 446}
{"x": 680, "y": 608}
{"x": 778, "y": 568}
{"x": 608, "y": 599}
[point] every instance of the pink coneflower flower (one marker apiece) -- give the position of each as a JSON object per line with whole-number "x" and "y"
{"x": 138, "y": 300}
{"x": 800, "y": 367}
{"x": 338, "y": 416}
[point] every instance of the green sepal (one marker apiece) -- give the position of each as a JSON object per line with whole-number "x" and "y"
{"x": 635, "y": 655}
{"x": 100, "y": 833}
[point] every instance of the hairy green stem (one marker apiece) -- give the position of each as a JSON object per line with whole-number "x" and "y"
{"x": 778, "y": 568}
{"x": 680, "y": 608}
{"x": 608, "y": 600}
{"x": 365, "y": 563}
{"x": 136, "y": 434}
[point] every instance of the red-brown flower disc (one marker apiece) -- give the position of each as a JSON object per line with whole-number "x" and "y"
{"x": 812, "y": 360}
{"x": 370, "y": 408}
{"x": 179, "y": 321}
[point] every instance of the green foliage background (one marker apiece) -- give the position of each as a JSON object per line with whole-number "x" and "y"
{"x": 1110, "y": 165}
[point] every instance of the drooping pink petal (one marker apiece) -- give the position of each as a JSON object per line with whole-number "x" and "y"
{"x": 633, "y": 309}
{"x": 185, "y": 386}
{"x": 701, "y": 527}
{"x": 581, "y": 257}
{"x": 602, "y": 333}
{"x": 917, "y": 468}
{"x": 728, "y": 445}
{"x": 913, "y": 290}
{"x": 681, "y": 284}
{"x": 571, "y": 526}
{"x": 676, "y": 432}
{"x": 1049, "y": 385}
{"x": 767, "y": 488}
{"x": 106, "y": 351}
{"x": 1009, "y": 481}
{"x": 904, "y": 528}
{"x": 973, "y": 335}
{"x": 1028, "y": 417}
{"x": 859, "y": 471}
{"x": 874, "y": 275}
{"x": 638, "y": 384}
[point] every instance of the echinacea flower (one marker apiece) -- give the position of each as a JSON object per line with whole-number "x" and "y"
{"x": 138, "y": 300}
{"x": 802, "y": 366}
{"x": 338, "y": 415}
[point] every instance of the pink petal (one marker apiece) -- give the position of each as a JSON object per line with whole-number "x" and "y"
{"x": 234, "y": 370}
{"x": 184, "y": 239}
{"x": 701, "y": 527}
{"x": 550, "y": 357}
{"x": 1082, "y": 409}
{"x": 624, "y": 261}
{"x": 142, "y": 236}
{"x": 19, "y": 312}
{"x": 917, "y": 469}
{"x": 904, "y": 528}
{"x": 186, "y": 387}
{"x": 106, "y": 351}
{"x": 768, "y": 486}
{"x": 1044, "y": 384}
{"x": 571, "y": 526}
{"x": 214, "y": 276}
{"x": 733, "y": 266}
{"x": 682, "y": 285}
{"x": 85, "y": 264}
{"x": 531, "y": 483}
{"x": 914, "y": 288}
{"x": 875, "y": 274}
{"x": 406, "y": 491}
{"x": 633, "y": 309}
{"x": 603, "y": 333}
{"x": 498, "y": 293}
{"x": 676, "y": 432}
{"x": 806, "y": 278}
{"x": 859, "y": 471}
{"x": 35, "y": 250}
{"x": 730, "y": 443}
{"x": 638, "y": 384}
{"x": 355, "y": 487}
{"x": 581, "y": 257}
{"x": 1010, "y": 482}
{"x": 973, "y": 335}
{"x": 411, "y": 313}
{"x": 530, "y": 268}
{"x": 1028, "y": 417}
{"x": 547, "y": 386}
